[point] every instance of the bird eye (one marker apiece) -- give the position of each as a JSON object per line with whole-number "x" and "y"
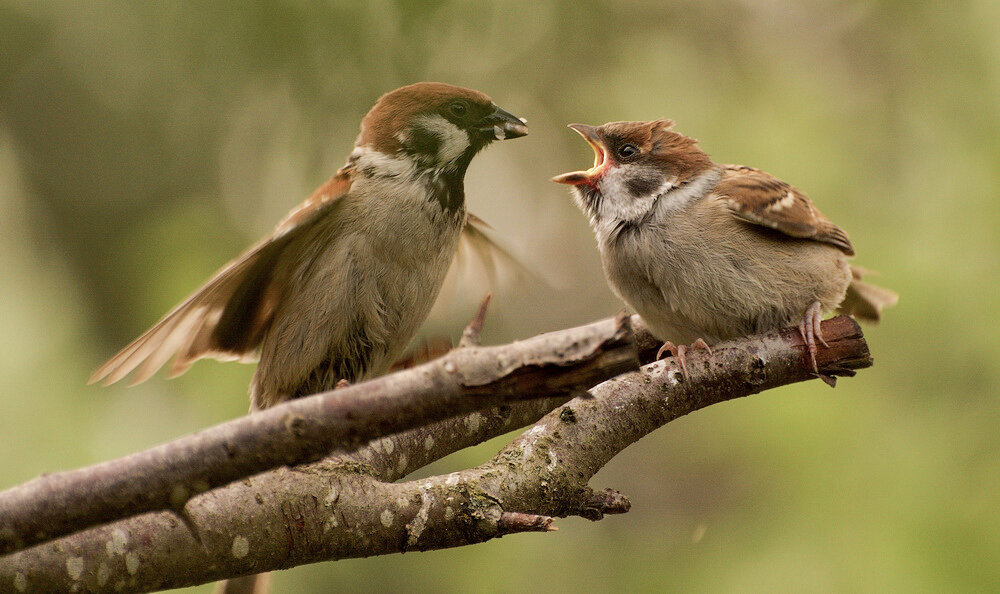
{"x": 626, "y": 151}
{"x": 458, "y": 109}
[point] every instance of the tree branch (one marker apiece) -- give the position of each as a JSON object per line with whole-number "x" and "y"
{"x": 307, "y": 429}
{"x": 339, "y": 508}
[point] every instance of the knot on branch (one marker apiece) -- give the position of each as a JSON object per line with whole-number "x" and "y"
{"x": 599, "y": 503}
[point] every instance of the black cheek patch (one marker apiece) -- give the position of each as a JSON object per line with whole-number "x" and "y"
{"x": 643, "y": 185}
{"x": 423, "y": 141}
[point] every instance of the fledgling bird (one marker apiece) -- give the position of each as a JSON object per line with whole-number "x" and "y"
{"x": 707, "y": 252}
{"x": 344, "y": 281}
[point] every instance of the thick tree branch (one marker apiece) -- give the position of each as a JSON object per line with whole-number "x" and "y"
{"x": 411, "y": 450}
{"x": 339, "y": 508}
{"x": 307, "y": 429}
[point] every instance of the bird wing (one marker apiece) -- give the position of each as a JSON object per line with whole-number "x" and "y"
{"x": 477, "y": 240}
{"x": 481, "y": 264}
{"x": 226, "y": 318}
{"x": 479, "y": 256}
{"x": 762, "y": 199}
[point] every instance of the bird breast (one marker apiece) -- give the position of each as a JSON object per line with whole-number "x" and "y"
{"x": 357, "y": 299}
{"x": 708, "y": 275}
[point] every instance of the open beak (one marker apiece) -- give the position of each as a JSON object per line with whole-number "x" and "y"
{"x": 575, "y": 178}
{"x": 502, "y": 125}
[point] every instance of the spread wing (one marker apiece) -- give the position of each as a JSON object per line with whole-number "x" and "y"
{"x": 226, "y": 318}
{"x": 479, "y": 264}
{"x": 762, "y": 199}
{"x": 477, "y": 241}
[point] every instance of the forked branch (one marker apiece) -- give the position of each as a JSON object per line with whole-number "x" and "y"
{"x": 346, "y": 506}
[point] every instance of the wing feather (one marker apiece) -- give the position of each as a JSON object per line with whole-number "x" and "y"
{"x": 762, "y": 199}
{"x": 226, "y": 318}
{"x": 477, "y": 241}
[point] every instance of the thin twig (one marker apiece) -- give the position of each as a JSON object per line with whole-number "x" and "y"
{"x": 471, "y": 334}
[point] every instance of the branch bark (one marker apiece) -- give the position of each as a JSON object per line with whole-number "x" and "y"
{"x": 344, "y": 506}
{"x": 307, "y": 429}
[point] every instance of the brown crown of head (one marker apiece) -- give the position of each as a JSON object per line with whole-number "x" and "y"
{"x": 676, "y": 154}
{"x": 395, "y": 110}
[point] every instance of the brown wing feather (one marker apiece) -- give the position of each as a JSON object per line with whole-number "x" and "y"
{"x": 225, "y": 319}
{"x": 476, "y": 239}
{"x": 762, "y": 199}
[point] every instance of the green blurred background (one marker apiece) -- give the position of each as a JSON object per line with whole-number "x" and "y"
{"x": 144, "y": 144}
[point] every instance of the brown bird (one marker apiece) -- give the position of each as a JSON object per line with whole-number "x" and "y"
{"x": 342, "y": 284}
{"x": 707, "y": 252}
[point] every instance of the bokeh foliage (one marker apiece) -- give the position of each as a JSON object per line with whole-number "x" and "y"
{"x": 143, "y": 144}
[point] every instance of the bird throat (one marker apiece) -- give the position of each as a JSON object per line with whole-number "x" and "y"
{"x": 443, "y": 186}
{"x": 446, "y": 184}
{"x": 447, "y": 188}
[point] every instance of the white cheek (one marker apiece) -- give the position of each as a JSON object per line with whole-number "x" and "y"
{"x": 619, "y": 203}
{"x": 454, "y": 141}
{"x": 610, "y": 185}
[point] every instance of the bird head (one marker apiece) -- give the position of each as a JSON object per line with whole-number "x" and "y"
{"x": 635, "y": 163}
{"x": 437, "y": 125}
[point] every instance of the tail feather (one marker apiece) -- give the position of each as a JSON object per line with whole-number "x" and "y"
{"x": 864, "y": 300}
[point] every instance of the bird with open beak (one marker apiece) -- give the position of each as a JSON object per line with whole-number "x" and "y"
{"x": 707, "y": 252}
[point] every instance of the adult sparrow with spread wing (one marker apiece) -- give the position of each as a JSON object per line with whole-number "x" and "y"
{"x": 344, "y": 281}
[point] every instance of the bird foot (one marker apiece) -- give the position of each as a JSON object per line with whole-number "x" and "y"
{"x": 680, "y": 351}
{"x": 811, "y": 330}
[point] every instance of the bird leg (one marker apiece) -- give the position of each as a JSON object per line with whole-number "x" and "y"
{"x": 680, "y": 351}
{"x": 810, "y": 328}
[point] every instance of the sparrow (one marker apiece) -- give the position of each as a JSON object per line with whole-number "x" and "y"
{"x": 342, "y": 284}
{"x": 707, "y": 252}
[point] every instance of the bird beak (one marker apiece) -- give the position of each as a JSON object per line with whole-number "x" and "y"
{"x": 501, "y": 125}
{"x": 591, "y": 175}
